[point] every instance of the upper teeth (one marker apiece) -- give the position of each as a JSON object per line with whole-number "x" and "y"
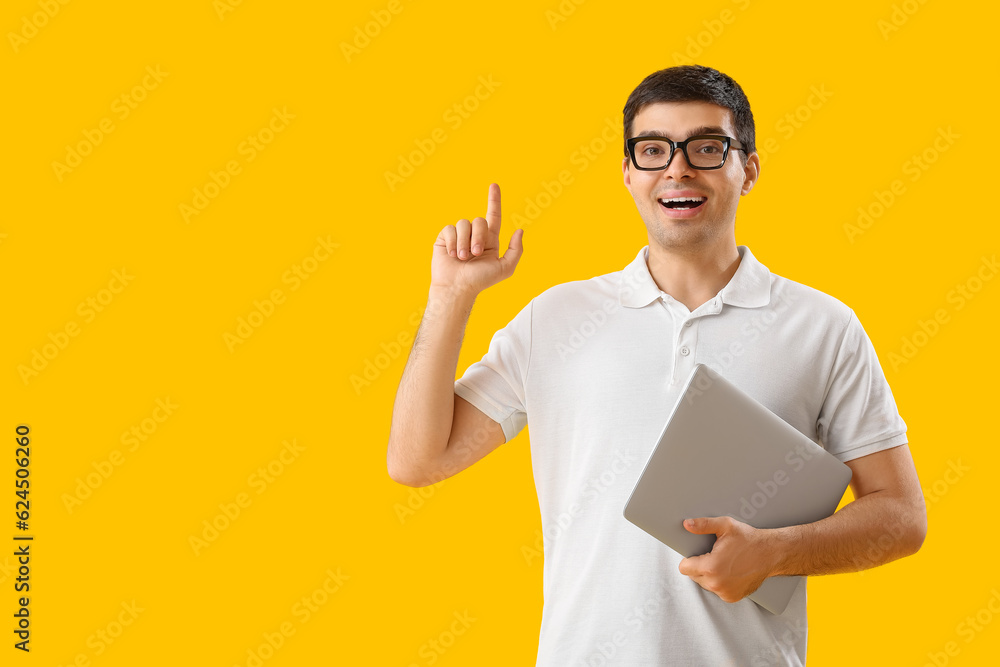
{"x": 684, "y": 199}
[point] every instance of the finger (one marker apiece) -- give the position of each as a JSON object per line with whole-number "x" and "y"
{"x": 480, "y": 235}
{"x": 702, "y": 525}
{"x": 691, "y": 567}
{"x": 493, "y": 209}
{"x": 513, "y": 254}
{"x": 447, "y": 239}
{"x": 463, "y": 229}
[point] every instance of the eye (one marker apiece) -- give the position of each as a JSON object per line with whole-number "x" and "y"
{"x": 707, "y": 147}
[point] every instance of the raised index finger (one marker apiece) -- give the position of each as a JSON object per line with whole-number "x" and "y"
{"x": 493, "y": 209}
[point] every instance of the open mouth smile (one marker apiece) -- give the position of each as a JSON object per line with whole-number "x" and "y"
{"x": 682, "y": 203}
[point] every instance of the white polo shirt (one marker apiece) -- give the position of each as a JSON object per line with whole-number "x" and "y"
{"x": 596, "y": 367}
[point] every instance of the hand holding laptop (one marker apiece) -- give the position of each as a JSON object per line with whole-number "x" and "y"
{"x": 738, "y": 563}
{"x": 723, "y": 454}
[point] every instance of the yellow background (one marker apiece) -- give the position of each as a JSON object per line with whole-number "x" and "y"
{"x": 560, "y": 73}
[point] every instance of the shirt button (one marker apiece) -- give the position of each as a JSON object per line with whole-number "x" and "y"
{"x": 685, "y": 351}
{"x": 688, "y": 323}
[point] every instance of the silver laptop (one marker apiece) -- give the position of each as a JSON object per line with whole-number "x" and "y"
{"x": 723, "y": 453}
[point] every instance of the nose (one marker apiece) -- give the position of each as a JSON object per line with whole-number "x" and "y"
{"x": 678, "y": 166}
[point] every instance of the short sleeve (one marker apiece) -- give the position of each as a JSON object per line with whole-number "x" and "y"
{"x": 859, "y": 415}
{"x": 496, "y": 383}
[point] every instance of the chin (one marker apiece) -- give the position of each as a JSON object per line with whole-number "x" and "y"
{"x": 682, "y": 234}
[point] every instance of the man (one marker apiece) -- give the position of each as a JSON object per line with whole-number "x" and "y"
{"x": 596, "y": 365}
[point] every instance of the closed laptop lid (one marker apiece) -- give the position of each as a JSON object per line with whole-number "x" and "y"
{"x": 721, "y": 453}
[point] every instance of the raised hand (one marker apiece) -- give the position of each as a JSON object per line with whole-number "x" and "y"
{"x": 466, "y": 255}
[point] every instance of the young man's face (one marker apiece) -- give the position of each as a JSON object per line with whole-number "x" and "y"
{"x": 714, "y": 220}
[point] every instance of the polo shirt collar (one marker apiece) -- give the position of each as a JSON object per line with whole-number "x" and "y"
{"x": 750, "y": 286}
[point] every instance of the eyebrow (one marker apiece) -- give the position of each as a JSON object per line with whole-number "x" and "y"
{"x": 704, "y": 129}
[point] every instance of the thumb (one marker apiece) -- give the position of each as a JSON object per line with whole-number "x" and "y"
{"x": 514, "y": 250}
{"x": 703, "y": 525}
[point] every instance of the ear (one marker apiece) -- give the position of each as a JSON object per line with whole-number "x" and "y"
{"x": 626, "y": 174}
{"x": 751, "y": 172}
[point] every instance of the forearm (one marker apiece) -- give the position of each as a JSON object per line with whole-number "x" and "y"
{"x": 424, "y": 407}
{"x": 870, "y": 531}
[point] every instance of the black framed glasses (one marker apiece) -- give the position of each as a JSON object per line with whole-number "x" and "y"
{"x": 703, "y": 151}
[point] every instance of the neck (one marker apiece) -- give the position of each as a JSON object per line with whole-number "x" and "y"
{"x": 693, "y": 277}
